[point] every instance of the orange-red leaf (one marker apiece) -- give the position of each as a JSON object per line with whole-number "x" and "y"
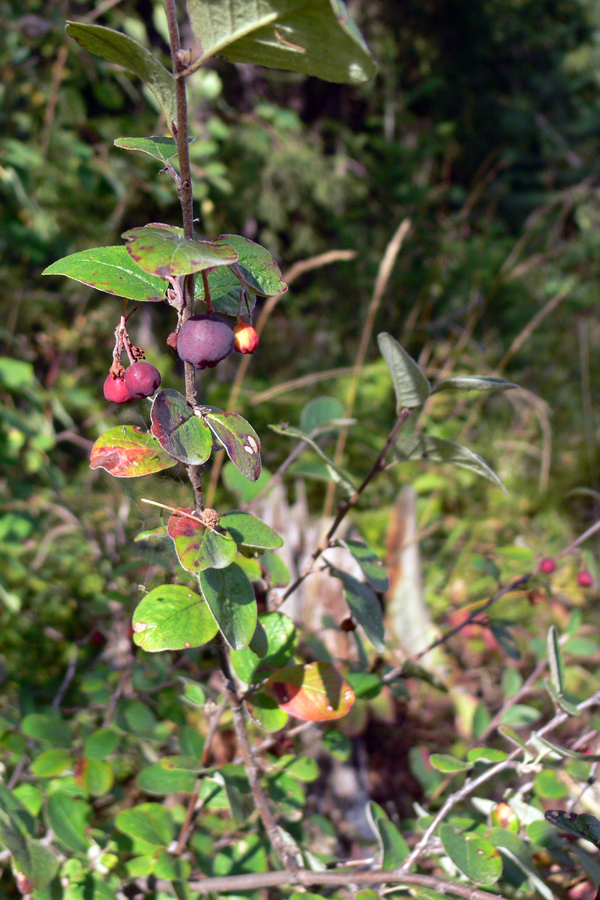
{"x": 128, "y": 452}
{"x": 314, "y": 693}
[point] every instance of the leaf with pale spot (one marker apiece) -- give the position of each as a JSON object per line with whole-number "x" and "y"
{"x": 240, "y": 441}
{"x": 172, "y": 617}
{"x": 198, "y": 547}
{"x": 128, "y": 452}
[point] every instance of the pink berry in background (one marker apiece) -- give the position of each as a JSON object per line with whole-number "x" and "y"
{"x": 584, "y": 579}
{"x": 547, "y": 566}
{"x": 115, "y": 390}
{"x": 142, "y": 379}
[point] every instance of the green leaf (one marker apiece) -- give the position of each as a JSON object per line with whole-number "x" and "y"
{"x": 162, "y": 780}
{"x": 97, "y": 777}
{"x": 250, "y": 531}
{"x": 225, "y": 292}
{"x": 163, "y": 250}
{"x": 45, "y": 727}
{"x": 260, "y": 273}
{"x": 101, "y": 743}
{"x": 449, "y": 764}
{"x": 335, "y": 473}
{"x": 372, "y": 567}
{"x": 238, "y": 484}
{"x": 160, "y": 148}
{"x": 476, "y": 857}
{"x": 337, "y": 744}
{"x": 172, "y": 617}
{"x": 68, "y": 817}
{"x": 112, "y": 270}
{"x": 410, "y": 384}
{"x": 474, "y": 383}
{"x": 516, "y": 850}
{"x": 364, "y": 606}
{"x": 128, "y": 452}
{"x": 435, "y": 449}
{"x": 275, "y": 570}
{"x": 366, "y": 685}
{"x": 198, "y": 547}
{"x": 392, "y": 845}
{"x": 51, "y": 763}
{"x": 584, "y": 825}
{"x": 319, "y": 413}
{"x": 118, "y": 48}
{"x": 34, "y": 864}
{"x": 147, "y": 822}
{"x": 555, "y": 660}
{"x": 569, "y": 708}
{"x": 16, "y": 374}
{"x": 486, "y": 754}
{"x": 181, "y": 433}
{"x": 230, "y": 597}
{"x": 281, "y": 646}
{"x": 240, "y": 441}
{"x": 315, "y": 37}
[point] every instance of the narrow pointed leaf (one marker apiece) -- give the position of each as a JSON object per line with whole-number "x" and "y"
{"x": 258, "y": 269}
{"x": 240, "y": 441}
{"x": 160, "y": 148}
{"x": 410, "y": 384}
{"x": 119, "y": 48}
{"x": 584, "y": 825}
{"x": 372, "y": 567}
{"x": 569, "y": 708}
{"x": 163, "y": 250}
{"x": 476, "y": 857}
{"x": 335, "y": 472}
{"x": 449, "y": 764}
{"x": 315, "y": 692}
{"x": 555, "y": 660}
{"x": 112, "y": 270}
{"x": 474, "y": 383}
{"x": 250, "y": 531}
{"x": 315, "y": 37}
{"x": 178, "y": 430}
{"x": 435, "y": 449}
{"x": 128, "y": 452}
{"x": 365, "y": 607}
{"x": 230, "y": 597}
{"x": 172, "y": 617}
{"x": 198, "y": 547}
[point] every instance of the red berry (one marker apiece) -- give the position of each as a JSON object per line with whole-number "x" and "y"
{"x": 547, "y": 565}
{"x": 246, "y": 337}
{"x": 584, "y": 579}
{"x": 142, "y": 379}
{"x": 115, "y": 390}
{"x": 205, "y": 341}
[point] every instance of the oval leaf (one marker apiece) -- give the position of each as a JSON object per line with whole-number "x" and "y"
{"x": 392, "y": 845}
{"x": 250, "y": 531}
{"x": 68, "y": 817}
{"x": 119, "y": 48}
{"x": 198, "y": 547}
{"x": 410, "y": 384}
{"x": 230, "y": 597}
{"x": 281, "y": 638}
{"x": 266, "y": 712}
{"x": 163, "y": 250}
{"x": 365, "y": 607}
{"x": 181, "y": 433}
{"x": 315, "y": 692}
{"x": 148, "y": 822}
{"x": 112, "y": 270}
{"x": 172, "y": 617}
{"x": 259, "y": 271}
{"x": 315, "y": 37}
{"x": 240, "y": 440}
{"x": 128, "y": 452}
{"x": 476, "y": 857}
{"x": 160, "y": 148}
{"x": 435, "y": 449}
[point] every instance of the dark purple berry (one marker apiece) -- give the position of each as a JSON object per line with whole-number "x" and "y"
{"x": 205, "y": 341}
{"x": 142, "y": 379}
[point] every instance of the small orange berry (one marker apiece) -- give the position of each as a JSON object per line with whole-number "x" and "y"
{"x": 246, "y": 337}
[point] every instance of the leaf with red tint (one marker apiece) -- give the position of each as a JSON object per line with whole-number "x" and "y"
{"x": 314, "y": 693}
{"x": 128, "y": 452}
{"x": 198, "y": 547}
{"x": 182, "y": 433}
{"x": 240, "y": 440}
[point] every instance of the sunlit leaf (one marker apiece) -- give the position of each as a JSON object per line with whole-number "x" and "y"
{"x": 435, "y": 449}
{"x": 281, "y": 639}
{"x": 163, "y": 250}
{"x": 476, "y": 857}
{"x": 181, "y": 433}
{"x": 147, "y": 822}
{"x": 119, "y": 48}
{"x": 335, "y": 473}
{"x": 372, "y": 567}
{"x": 68, "y": 817}
{"x": 315, "y": 37}
{"x": 230, "y": 597}
{"x": 258, "y": 269}
{"x": 198, "y": 547}
{"x": 365, "y": 607}
{"x": 172, "y": 617}
{"x": 315, "y": 692}
{"x": 240, "y": 441}
{"x": 474, "y": 383}
{"x": 160, "y": 148}
{"x": 250, "y": 531}
{"x": 112, "y": 270}
{"x": 410, "y": 384}
{"x": 128, "y": 452}
{"x": 392, "y": 845}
